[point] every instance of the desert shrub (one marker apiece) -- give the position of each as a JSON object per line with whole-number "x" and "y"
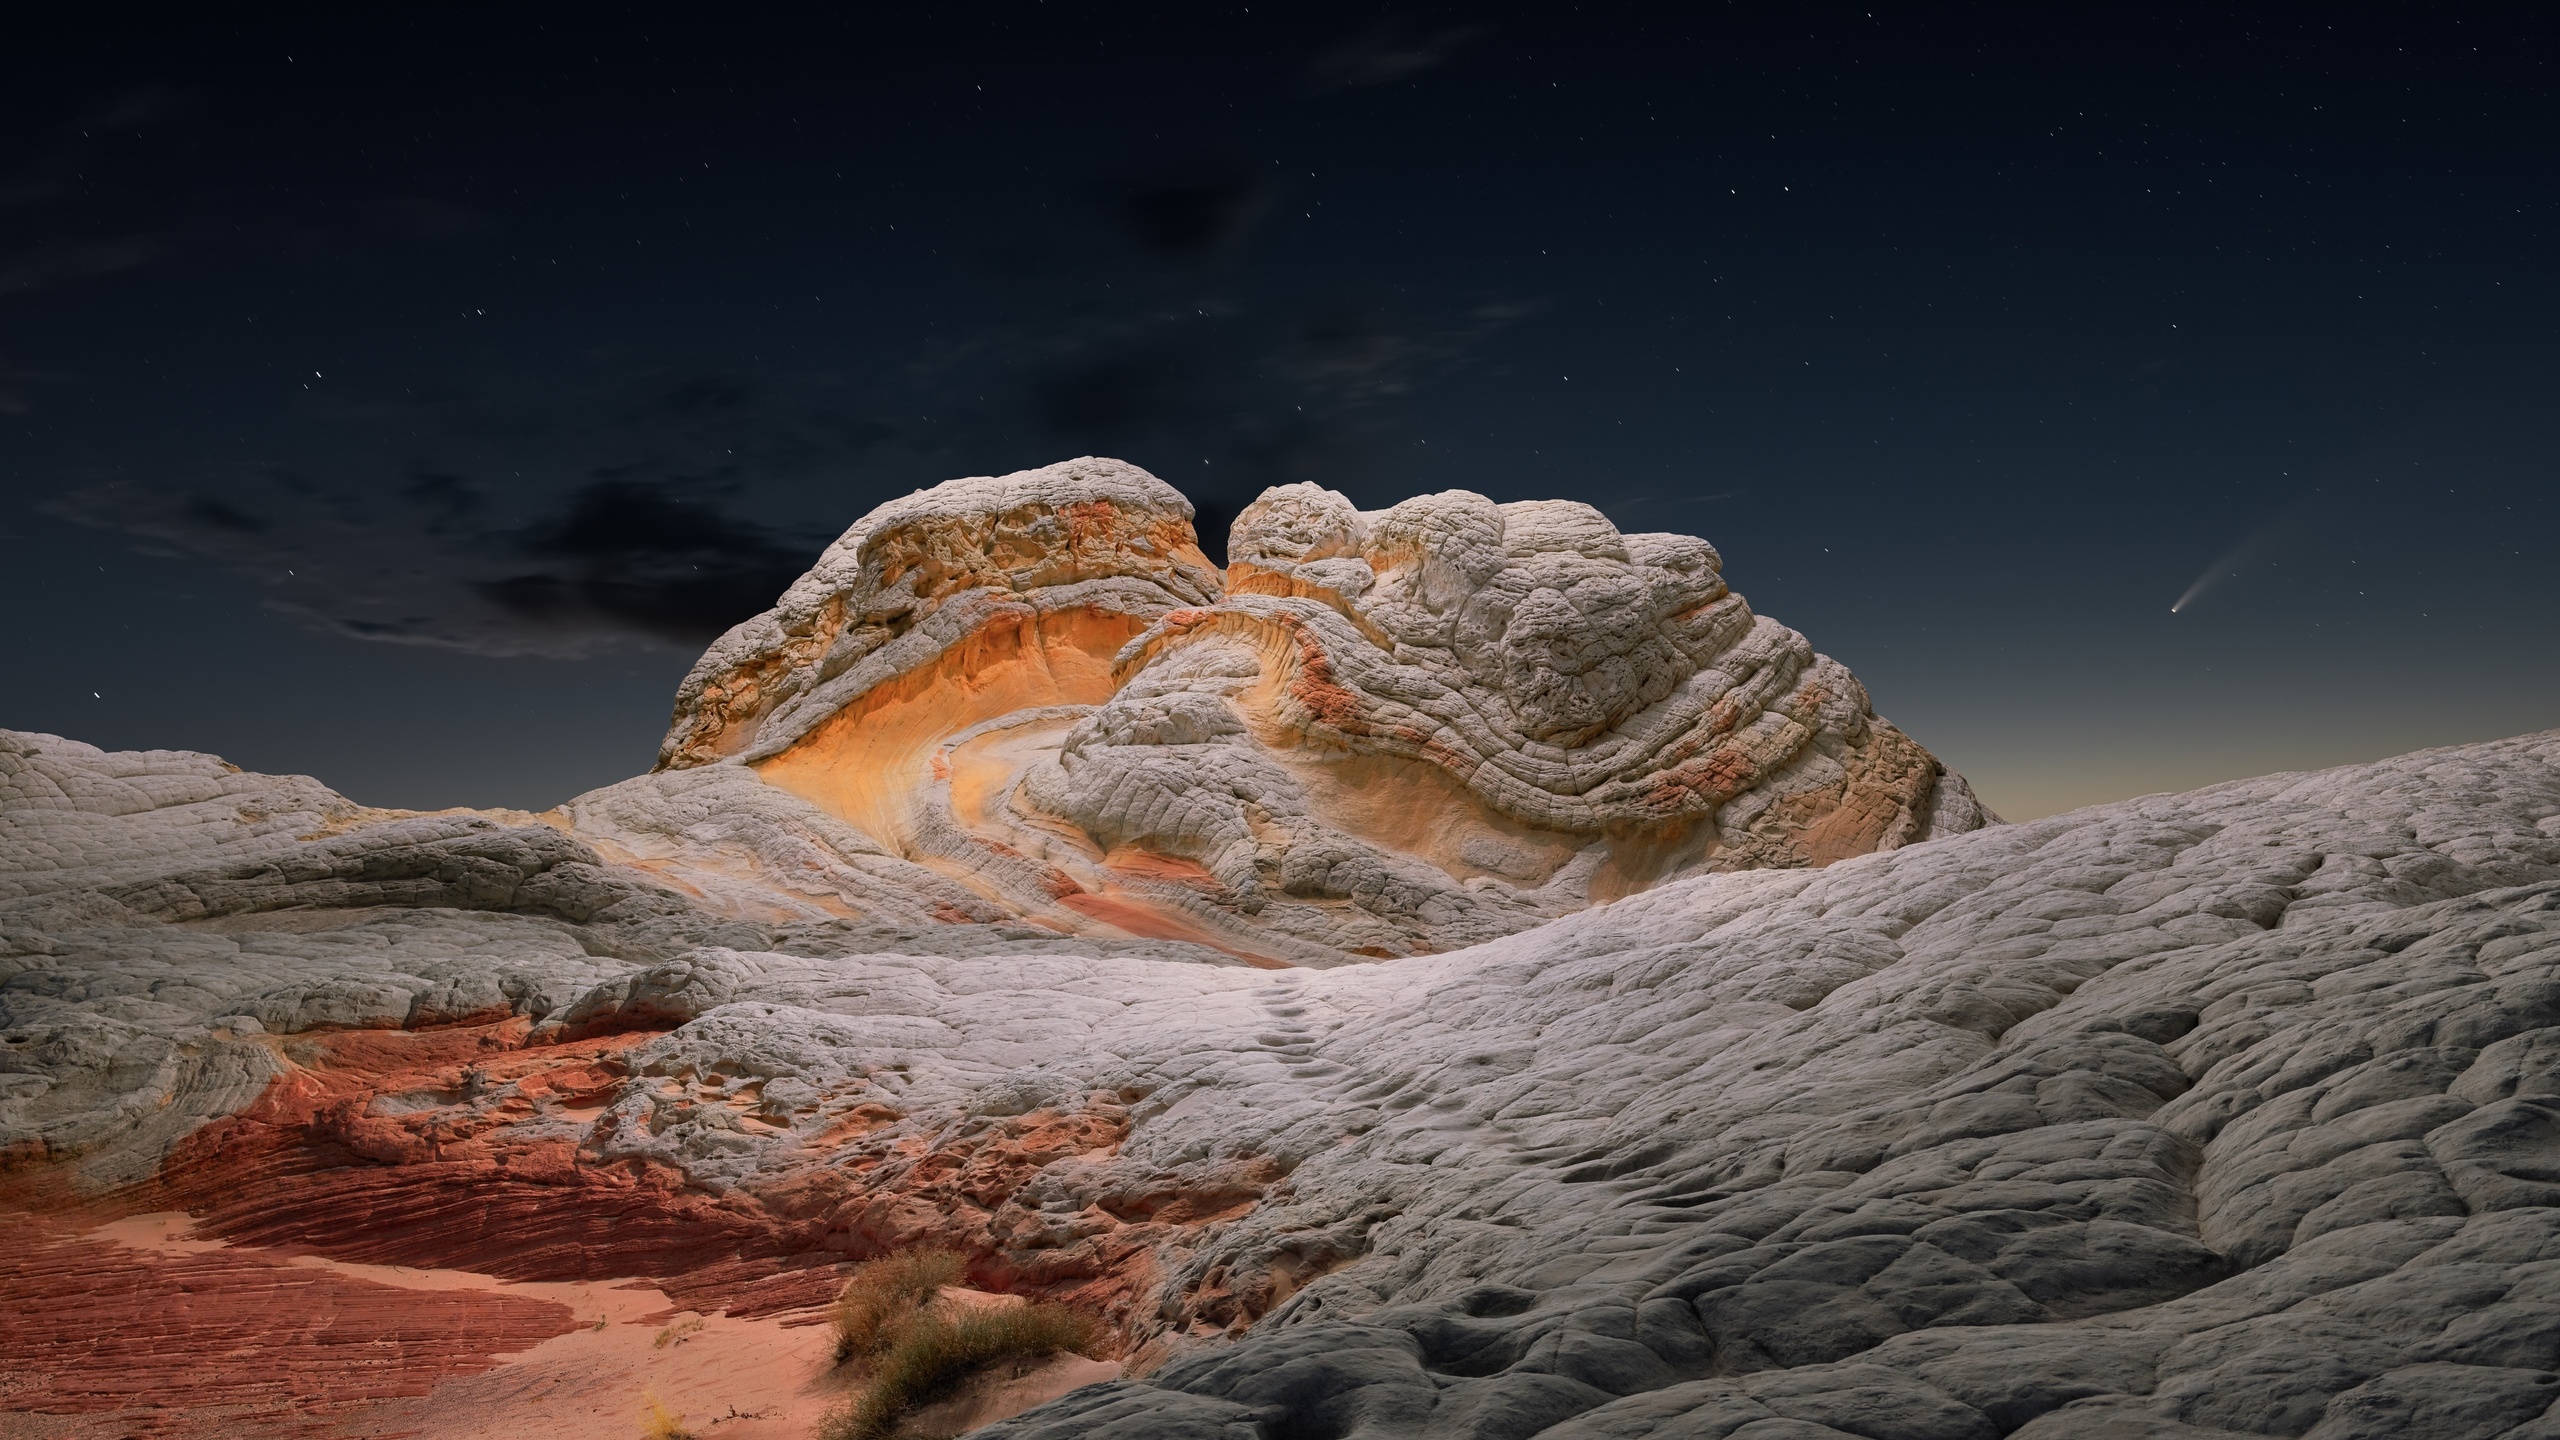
{"x": 658, "y": 1422}
{"x": 883, "y": 1294}
{"x": 936, "y": 1348}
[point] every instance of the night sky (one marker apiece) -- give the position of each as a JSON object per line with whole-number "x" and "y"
{"x": 407, "y": 402}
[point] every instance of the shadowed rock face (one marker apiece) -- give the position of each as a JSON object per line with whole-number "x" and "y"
{"x": 1378, "y": 734}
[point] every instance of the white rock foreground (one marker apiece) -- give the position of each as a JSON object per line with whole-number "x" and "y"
{"x": 2228, "y": 1113}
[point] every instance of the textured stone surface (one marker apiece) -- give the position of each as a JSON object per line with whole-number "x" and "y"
{"x": 1451, "y": 719}
{"x": 2211, "y": 1114}
{"x": 1375, "y": 735}
{"x": 100, "y": 1327}
{"x": 1041, "y": 561}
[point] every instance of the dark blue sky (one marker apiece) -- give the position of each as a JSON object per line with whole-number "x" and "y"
{"x": 406, "y": 402}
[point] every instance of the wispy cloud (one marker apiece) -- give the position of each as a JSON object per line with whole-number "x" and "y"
{"x": 1385, "y": 53}
{"x": 1190, "y": 208}
{"x": 17, "y": 388}
{"x": 49, "y": 263}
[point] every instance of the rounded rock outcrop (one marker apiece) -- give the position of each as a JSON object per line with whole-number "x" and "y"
{"x": 1097, "y": 535}
{"x": 1376, "y": 734}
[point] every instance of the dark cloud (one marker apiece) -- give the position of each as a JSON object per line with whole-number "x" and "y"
{"x": 1191, "y": 208}
{"x": 45, "y": 264}
{"x": 572, "y": 498}
{"x": 614, "y": 563}
{"x": 619, "y": 503}
{"x": 1116, "y": 398}
{"x": 207, "y": 510}
{"x": 1384, "y": 54}
{"x": 640, "y": 556}
{"x": 423, "y": 217}
{"x": 16, "y": 396}
{"x": 852, "y": 435}
{"x": 49, "y": 176}
{"x": 447, "y": 501}
{"x": 136, "y": 108}
{"x": 77, "y": 221}
{"x": 1351, "y": 354}
{"x": 702, "y": 395}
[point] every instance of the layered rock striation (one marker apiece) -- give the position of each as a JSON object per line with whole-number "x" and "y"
{"x": 1047, "y": 570}
{"x": 1376, "y": 734}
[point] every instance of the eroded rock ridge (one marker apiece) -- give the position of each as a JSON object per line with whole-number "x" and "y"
{"x": 1375, "y": 734}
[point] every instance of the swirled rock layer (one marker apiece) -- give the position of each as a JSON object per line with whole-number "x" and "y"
{"x": 1375, "y": 734}
{"x": 1031, "y": 568}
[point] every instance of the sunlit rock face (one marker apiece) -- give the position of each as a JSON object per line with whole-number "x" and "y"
{"x": 1026, "y": 567}
{"x": 1377, "y": 734}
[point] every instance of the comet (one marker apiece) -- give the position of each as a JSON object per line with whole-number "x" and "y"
{"x": 2231, "y": 562}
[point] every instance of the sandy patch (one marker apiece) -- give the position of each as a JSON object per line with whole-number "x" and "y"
{"x": 759, "y": 1379}
{"x": 771, "y": 1377}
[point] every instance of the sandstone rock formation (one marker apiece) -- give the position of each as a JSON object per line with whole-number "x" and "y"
{"x": 2221, "y": 1114}
{"x": 1381, "y": 734}
{"x": 2226, "y": 1113}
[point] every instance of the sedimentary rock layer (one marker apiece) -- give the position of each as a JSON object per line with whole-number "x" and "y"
{"x": 96, "y": 1327}
{"x": 1376, "y": 734}
{"x": 1059, "y": 559}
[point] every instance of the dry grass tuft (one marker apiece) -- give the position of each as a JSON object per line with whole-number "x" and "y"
{"x": 917, "y": 1349}
{"x": 658, "y": 1422}
{"x": 882, "y": 1294}
{"x": 933, "y": 1350}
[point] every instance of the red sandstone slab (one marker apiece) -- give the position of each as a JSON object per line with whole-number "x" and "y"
{"x": 91, "y": 1325}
